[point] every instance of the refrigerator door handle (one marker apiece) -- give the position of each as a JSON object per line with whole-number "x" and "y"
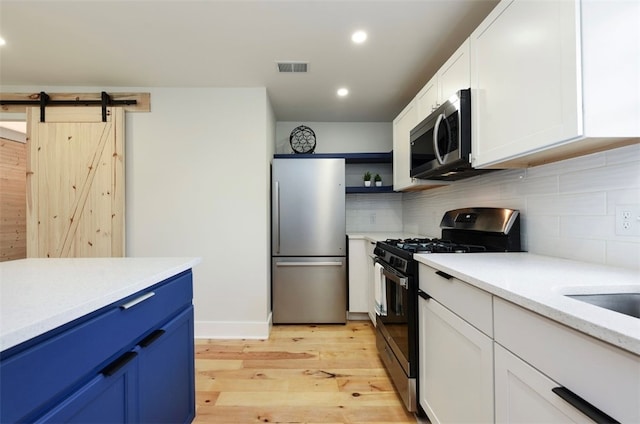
{"x": 332, "y": 263}
{"x": 277, "y": 218}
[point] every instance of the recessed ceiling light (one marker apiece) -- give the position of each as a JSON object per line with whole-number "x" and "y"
{"x": 342, "y": 92}
{"x": 359, "y": 37}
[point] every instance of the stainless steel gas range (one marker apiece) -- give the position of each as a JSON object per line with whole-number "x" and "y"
{"x": 468, "y": 230}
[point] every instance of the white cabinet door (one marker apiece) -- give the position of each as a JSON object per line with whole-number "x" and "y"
{"x": 455, "y": 367}
{"x": 427, "y": 99}
{"x": 523, "y": 394}
{"x": 358, "y": 276}
{"x": 602, "y": 375}
{"x": 402, "y": 126}
{"x": 455, "y": 74}
{"x": 524, "y": 79}
{"x": 371, "y": 294}
{"x": 546, "y": 78}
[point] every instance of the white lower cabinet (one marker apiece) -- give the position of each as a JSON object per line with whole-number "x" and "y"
{"x": 604, "y": 379}
{"x": 455, "y": 367}
{"x": 371, "y": 290}
{"x": 479, "y": 353}
{"x": 358, "y": 276}
{"x": 524, "y": 395}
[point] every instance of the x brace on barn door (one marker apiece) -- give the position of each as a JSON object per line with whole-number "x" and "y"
{"x": 44, "y": 101}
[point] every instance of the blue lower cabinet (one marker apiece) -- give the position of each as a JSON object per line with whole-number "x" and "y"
{"x": 105, "y": 399}
{"x": 130, "y": 362}
{"x": 166, "y": 373}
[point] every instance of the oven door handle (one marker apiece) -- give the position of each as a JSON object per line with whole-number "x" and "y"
{"x": 394, "y": 277}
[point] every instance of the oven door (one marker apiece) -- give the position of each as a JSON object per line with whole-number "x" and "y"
{"x": 394, "y": 325}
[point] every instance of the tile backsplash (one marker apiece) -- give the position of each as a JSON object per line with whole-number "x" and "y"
{"x": 374, "y": 212}
{"x": 568, "y": 208}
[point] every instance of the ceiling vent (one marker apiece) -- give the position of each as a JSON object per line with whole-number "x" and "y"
{"x": 292, "y": 67}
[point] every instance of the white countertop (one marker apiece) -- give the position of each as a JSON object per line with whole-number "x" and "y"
{"x": 538, "y": 283}
{"x": 38, "y": 295}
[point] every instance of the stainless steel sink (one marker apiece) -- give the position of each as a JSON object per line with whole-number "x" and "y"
{"x": 624, "y": 303}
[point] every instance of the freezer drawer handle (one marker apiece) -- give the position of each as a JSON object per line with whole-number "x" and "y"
{"x": 338, "y": 263}
{"x": 137, "y": 300}
{"x": 583, "y": 406}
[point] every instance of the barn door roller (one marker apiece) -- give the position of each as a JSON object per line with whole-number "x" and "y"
{"x": 44, "y": 100}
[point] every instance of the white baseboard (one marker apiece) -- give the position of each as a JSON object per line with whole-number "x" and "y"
{"x": 358, "y": 316}
{"x": 232, "y": 329}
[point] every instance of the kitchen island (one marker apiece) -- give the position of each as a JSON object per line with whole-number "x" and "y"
{"x": 107, "y": 337}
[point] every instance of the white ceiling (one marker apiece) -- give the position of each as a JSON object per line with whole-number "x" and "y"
{"x": 213, "y": 43}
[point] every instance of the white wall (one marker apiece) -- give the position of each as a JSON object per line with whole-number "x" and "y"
{"x": 197, "y": 184}
{"x": 340, "y": 137}
{"x": 568, "y": 207}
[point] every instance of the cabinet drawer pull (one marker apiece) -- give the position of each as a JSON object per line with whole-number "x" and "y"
{"x": 147, "y": 341}
{"x": 423, "y": 295}
{"x": 137, "y": 300}
{"x": 583, "y": 406}
{"x": 113, "y": 367}
{"x": 444, "y": 275}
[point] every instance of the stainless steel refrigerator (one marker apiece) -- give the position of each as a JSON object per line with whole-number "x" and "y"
{"x": 308, "y": 241}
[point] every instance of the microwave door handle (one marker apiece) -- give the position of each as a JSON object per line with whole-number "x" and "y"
{"x": 436, "y": 129}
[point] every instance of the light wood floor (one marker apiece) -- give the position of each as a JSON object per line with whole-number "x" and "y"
{"x": 302, "y": 374}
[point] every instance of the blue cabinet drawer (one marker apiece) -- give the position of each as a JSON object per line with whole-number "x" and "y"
{"x": 36, "y": 379}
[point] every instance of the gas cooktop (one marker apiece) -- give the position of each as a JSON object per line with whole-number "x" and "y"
{"x": 435, "y": 245}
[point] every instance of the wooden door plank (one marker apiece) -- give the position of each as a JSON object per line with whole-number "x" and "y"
{"x": 77, "y": 168}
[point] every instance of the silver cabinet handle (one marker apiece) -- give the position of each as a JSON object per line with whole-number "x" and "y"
{"x": 137, "y": 300}
{"x": 338, "y": 263}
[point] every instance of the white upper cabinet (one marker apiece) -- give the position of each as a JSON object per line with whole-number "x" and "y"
{"x": 427, "y": 99}
{"x": 554, "y": 79}
{"x": 402, "y": 126}
{"x": 455, "y": 74}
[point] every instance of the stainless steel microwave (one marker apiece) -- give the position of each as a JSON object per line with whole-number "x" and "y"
{"x": 441, "y": 143}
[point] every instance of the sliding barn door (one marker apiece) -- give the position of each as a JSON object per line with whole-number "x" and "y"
{"x": 75, "y": 183}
